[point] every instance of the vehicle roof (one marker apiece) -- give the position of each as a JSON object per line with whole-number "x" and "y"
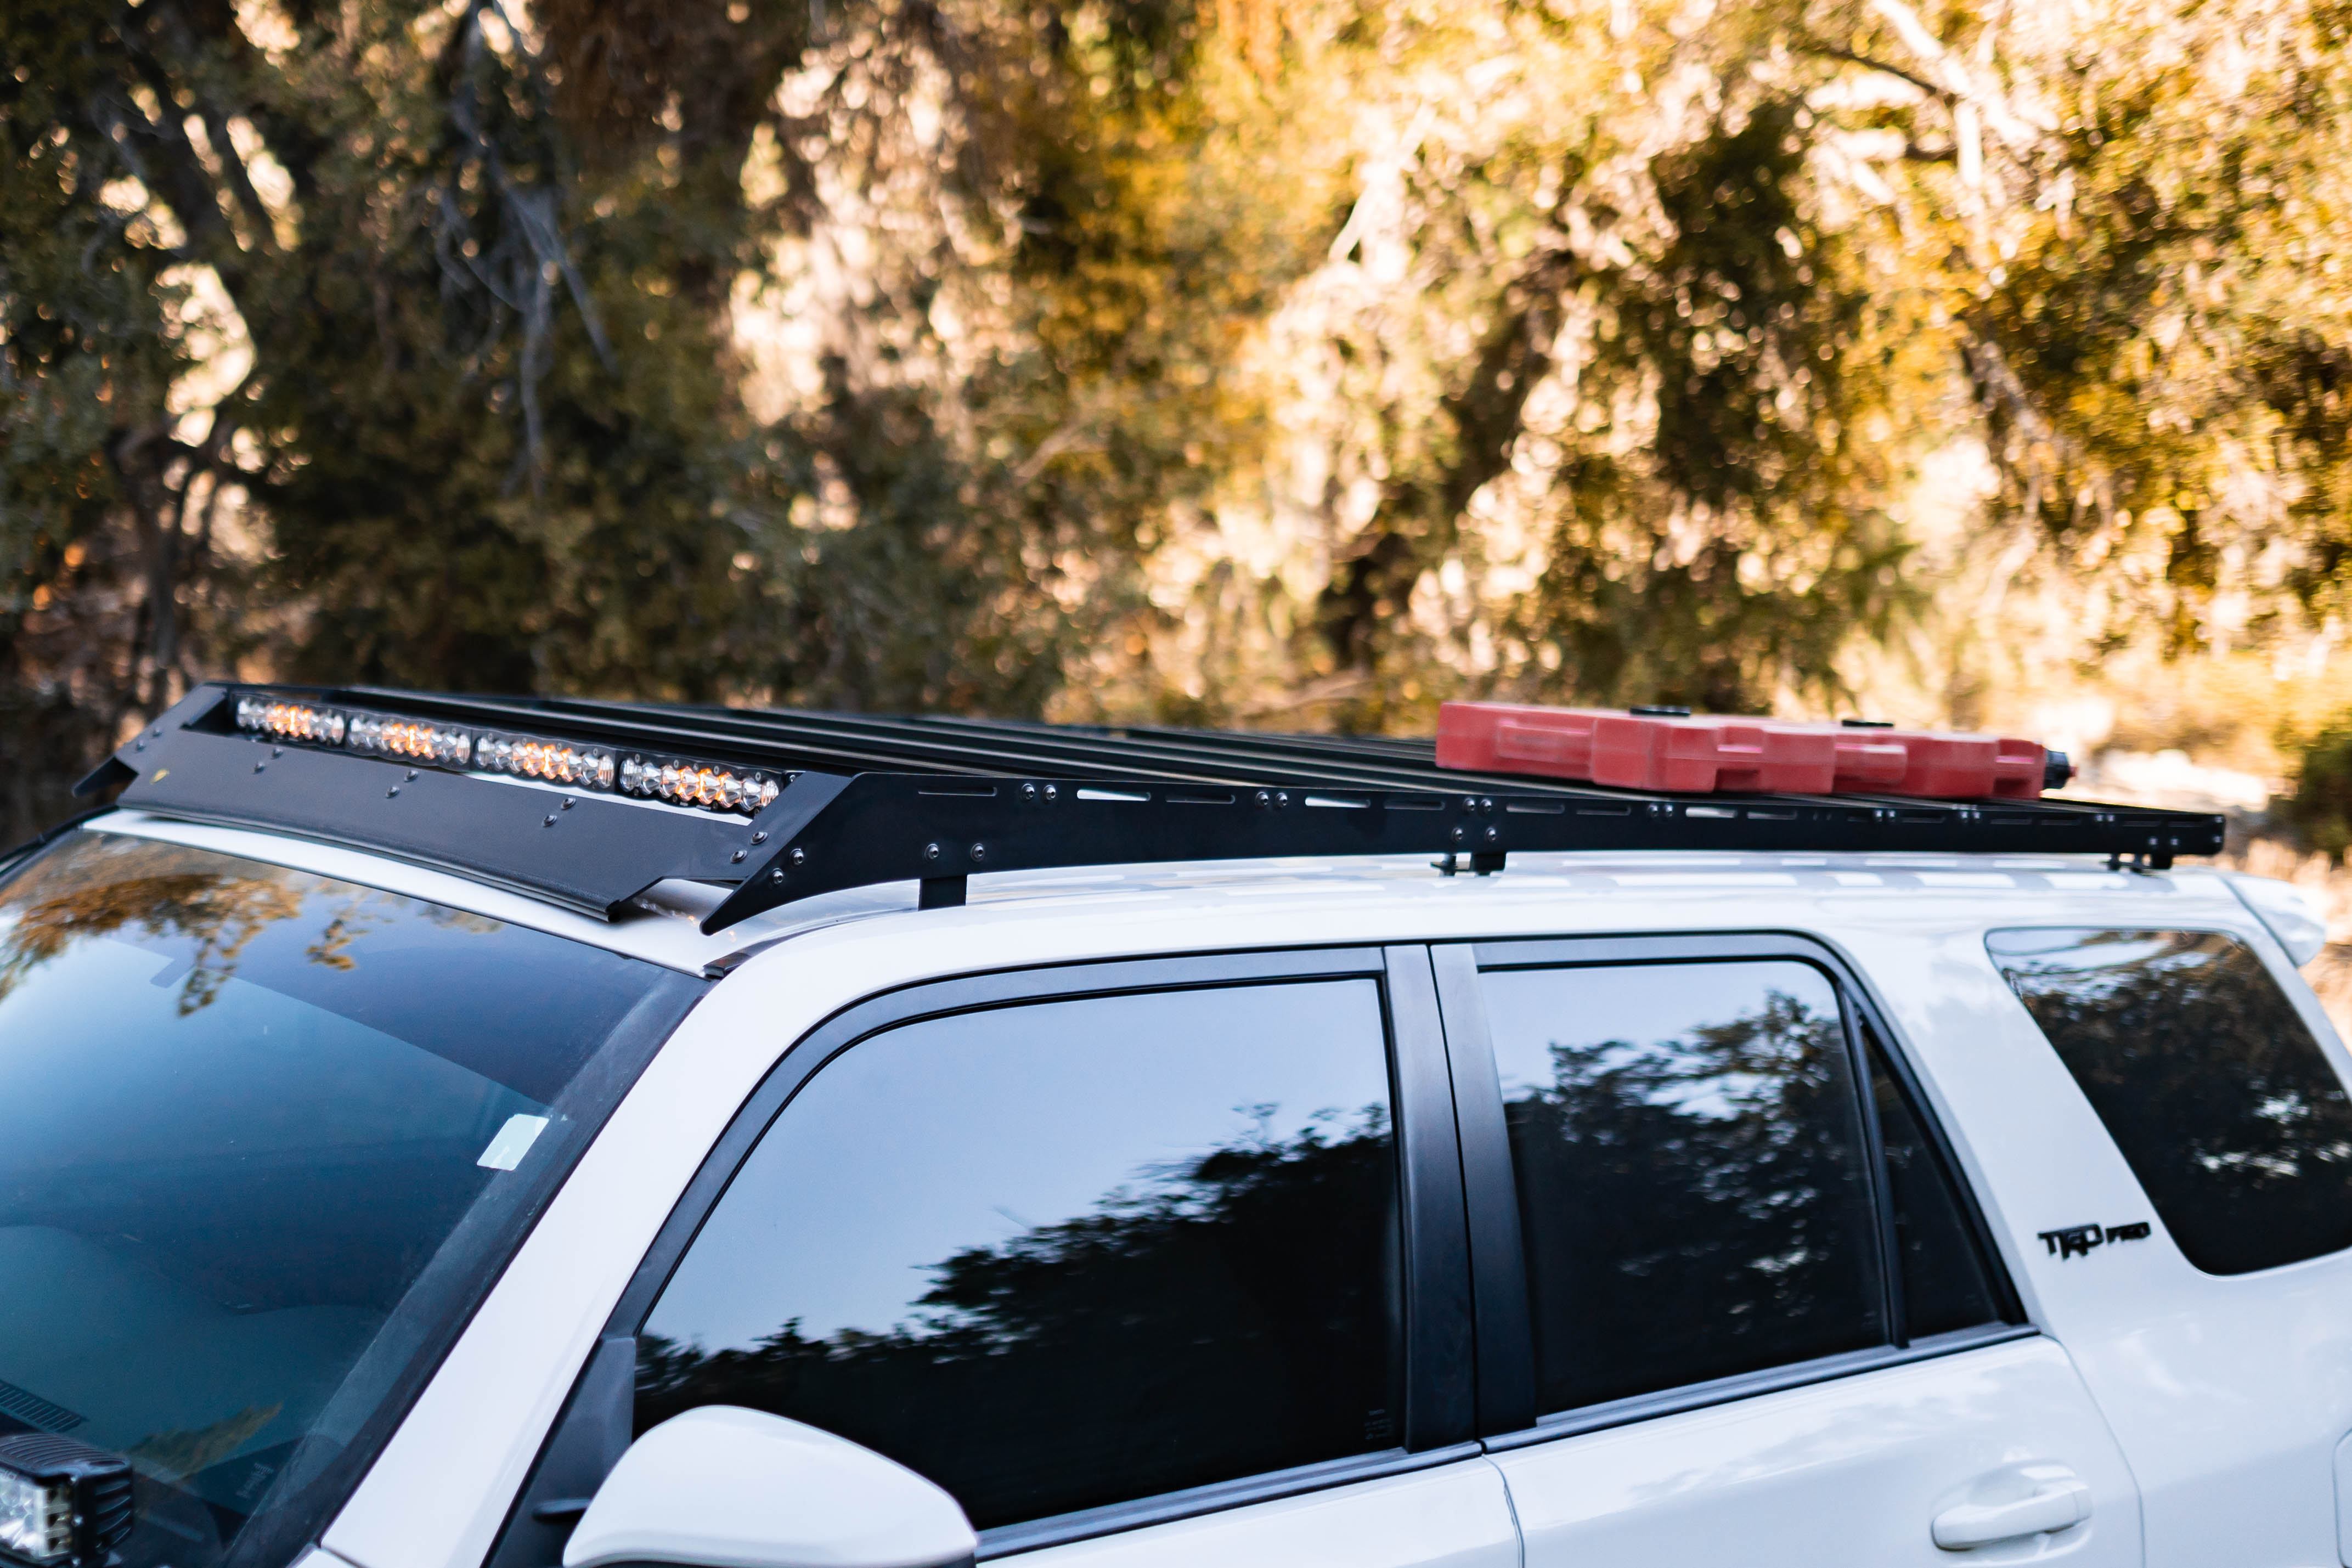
{"x": 1225, "y": 904}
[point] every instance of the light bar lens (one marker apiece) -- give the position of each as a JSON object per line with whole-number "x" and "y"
{"x": 553, "y": 761}
{"x": 421, "y": 743}
{"x": 291, "y": 721}
{"x": 709, "y": 787}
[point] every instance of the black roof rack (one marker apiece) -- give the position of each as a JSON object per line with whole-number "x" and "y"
{"x": 852, "y": 799}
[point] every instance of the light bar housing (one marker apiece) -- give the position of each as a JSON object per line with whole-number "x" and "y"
{"x": 63, "y": 1504}
{"x": 671, "y": 780}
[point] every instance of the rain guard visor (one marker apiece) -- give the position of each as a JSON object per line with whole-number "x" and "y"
{"x": 266, "y": 1138}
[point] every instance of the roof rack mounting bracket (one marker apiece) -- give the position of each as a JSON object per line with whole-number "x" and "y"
{"x": 942, "y": 893}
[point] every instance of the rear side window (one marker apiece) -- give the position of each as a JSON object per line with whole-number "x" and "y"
{"x": 2226, "y": 1108}
{"x": 1067, "y": 1254}
{"x": 1688, "y": 1146}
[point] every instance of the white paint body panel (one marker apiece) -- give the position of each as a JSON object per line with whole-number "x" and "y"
{"x": 1845, "y": 1474}
{"x": 2227, "y": 1397}
{"x": 1455, "y": 1516}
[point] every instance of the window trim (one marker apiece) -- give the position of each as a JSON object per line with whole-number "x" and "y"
{"x": 1754, "y": 1385}
{"x": 1438, "y": 1326}
{"x": 1508, "y": 1415}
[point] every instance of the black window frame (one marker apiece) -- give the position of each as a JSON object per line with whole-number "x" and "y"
{"x": 1508, "y": 1416}
{"x": 594, "y": 1426}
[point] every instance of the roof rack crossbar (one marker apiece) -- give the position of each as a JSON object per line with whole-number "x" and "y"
{"x": 867, "y": 799}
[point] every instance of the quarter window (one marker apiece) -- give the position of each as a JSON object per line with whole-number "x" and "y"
{"x": 1947, "y": 1285}
{"x": 2224, "y": 1104}
{"x": 1688, "y": 1147}
{"x": 1067, "y": 1254}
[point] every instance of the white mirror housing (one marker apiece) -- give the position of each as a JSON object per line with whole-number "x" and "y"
{"x": 726, "y": 1488}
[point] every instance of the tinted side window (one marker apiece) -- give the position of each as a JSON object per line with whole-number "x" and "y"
{"x": 1945, "y": 1282}
{"x": 1065, "y": 1254}
{"x": 2224, "y": 1106}
{"x": 1688, "y": 1144}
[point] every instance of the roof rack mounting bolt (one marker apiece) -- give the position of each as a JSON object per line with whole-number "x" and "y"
{"x": 930, "y": 851}
{"x": 979, "y": 853}
{"x": 799, "y": 856}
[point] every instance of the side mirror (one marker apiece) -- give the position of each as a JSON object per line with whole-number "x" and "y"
{"x": 725, "y": 1488}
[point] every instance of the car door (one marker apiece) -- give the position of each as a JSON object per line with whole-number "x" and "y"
{"x": 1144, "y": 1262}
{"x": 1729, "y": 1298}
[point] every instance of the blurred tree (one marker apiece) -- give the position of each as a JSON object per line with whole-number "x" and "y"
{"x": 1303, "y": 361}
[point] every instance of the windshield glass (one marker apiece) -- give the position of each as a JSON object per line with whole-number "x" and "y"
{"x": 264, "y": 1138}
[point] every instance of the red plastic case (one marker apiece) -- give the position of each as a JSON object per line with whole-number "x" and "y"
{"x": 1705, "y": 754}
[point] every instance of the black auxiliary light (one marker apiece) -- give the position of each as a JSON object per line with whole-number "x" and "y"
{"x": 63, "y": 1504}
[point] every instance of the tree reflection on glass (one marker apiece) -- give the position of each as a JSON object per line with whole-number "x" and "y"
{"x": 1225, "y": 1314}
{"x": 1691, "y": 1181}
{"x": 208, "y": 906}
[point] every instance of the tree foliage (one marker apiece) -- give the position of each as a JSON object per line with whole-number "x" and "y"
{"x": 1241, "y": 360}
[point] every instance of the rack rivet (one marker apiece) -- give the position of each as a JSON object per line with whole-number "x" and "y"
{"x": 1028, "y": 792}
{"x": 569, "y": 803}
{"x": 777, "y": 874}
{"x": 1486, "y": 802}
{"x": 799, "y": 856}
{"x": 550, "y": 820}
{"x": 738, "y": 857}
{"x": 930, "y": 851}
{"x": 281, "y": 751}
{"x": 1460, "y": 834}
{"x": 760, "y": 837}
{"x": 412, "y": 774}
{"x": 1493, "y": 834}
{"x": 1053, "y": 793}
{"x": 392, "y": 793}
{"x": 258, "y": 767}
{"x": 980, "y": 851}
{"x": 1281, "y": 798}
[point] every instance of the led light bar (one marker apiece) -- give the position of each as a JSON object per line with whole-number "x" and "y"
{"x": 691, "y": 784}
{"x": 675, "y": 780}
{"x": 63, "y": 1504}
{"x": 291, "y": 720}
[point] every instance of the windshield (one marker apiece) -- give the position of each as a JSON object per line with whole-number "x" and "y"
{"x": 265, "y": 1139}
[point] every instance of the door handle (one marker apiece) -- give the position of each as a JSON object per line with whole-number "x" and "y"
{"x": 2012, "y": 1503}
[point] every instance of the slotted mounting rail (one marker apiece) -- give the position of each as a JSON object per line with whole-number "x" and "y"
{"x": 862, "y": 799}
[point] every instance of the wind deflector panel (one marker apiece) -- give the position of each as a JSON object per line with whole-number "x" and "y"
{"x": 589, "y": 804}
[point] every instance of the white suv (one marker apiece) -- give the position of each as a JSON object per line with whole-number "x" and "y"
{"x": 363, "y": 1194}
